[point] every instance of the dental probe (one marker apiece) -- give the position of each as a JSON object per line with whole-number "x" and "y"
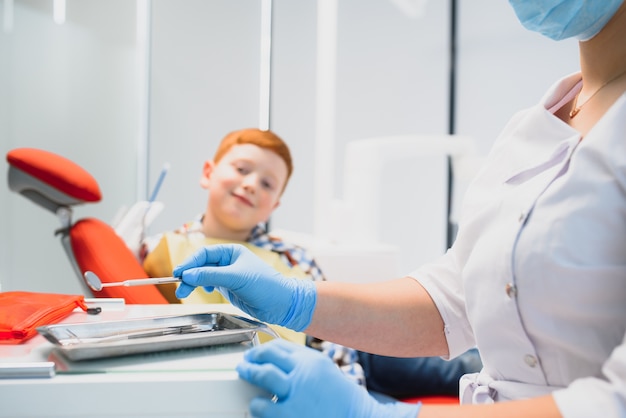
{"x": 94, "y": 282}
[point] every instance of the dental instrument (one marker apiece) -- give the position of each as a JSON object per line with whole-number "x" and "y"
{"x": 94, "y": 282}
{"x": 159, "y": 182}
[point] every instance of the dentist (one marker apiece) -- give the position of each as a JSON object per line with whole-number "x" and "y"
{"x": 536, "y": 277}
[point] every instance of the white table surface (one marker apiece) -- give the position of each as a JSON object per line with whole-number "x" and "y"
{"x": 201, "y": 383}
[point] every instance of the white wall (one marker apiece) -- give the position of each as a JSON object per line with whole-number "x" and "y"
{"x": 69, "y": 89}
{"x": 391, "y": 78}
{"x": 502, "y": 67}
{"x": 205, "y": 83}
{"x": 74, "y": 89}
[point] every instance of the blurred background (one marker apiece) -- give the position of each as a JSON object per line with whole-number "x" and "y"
{"x": 123, "y": 87}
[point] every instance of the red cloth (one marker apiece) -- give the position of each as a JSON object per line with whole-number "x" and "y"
{"x": 22, "y": 312}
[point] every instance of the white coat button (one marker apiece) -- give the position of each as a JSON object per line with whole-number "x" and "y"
{"x": 530, "y": 360}
{"x": 522, "y": 216}
{"x": 511, "y": 290}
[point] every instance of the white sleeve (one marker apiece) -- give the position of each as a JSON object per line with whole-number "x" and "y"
{"x": 603, "y": 395}
{"x": 442, "y": 280}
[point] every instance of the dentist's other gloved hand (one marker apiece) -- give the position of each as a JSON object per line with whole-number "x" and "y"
{"x": 250, "y": 284}
{"x": 307, "y": 384}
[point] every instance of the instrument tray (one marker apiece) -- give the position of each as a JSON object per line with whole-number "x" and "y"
{"x": 144, "y": 335}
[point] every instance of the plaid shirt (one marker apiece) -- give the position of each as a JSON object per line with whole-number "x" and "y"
{"x": 292, "y": 255}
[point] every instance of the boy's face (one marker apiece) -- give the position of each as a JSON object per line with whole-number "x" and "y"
{"x": 245, "y": 186}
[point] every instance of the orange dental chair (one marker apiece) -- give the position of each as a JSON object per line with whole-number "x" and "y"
{"x": 58, "y": 184}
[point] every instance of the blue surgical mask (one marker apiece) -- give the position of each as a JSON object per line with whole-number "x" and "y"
{"x": 560, "y": 19}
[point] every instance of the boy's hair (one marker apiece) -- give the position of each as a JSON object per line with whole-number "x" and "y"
{"x": 263, "y": 139}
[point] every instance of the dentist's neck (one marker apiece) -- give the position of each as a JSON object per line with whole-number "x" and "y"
{"x": 603, "y": 57}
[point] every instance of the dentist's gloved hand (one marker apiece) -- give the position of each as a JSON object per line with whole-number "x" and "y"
{"x": 308, "y": 384}
{"x": 250, "y": 284}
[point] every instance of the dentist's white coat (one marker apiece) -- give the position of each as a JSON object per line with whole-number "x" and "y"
{"x": 537, "y": 276}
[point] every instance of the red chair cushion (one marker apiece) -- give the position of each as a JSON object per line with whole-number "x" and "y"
{"x": 98, "y": 248}
{"x": 57, "y": 172}
{"x": 443, "y": 399}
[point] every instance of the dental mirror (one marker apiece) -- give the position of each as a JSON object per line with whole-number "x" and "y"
{"x": 94, "y": 282}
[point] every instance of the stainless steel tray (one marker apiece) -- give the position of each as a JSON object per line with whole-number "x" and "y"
{"x": 134, "y": 336}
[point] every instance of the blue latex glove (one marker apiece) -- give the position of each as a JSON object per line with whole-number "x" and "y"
{"x": 250, "y": 284}
{"x": 308, "y": 384}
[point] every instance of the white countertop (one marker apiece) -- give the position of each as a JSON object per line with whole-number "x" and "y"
{"x": 189, "y": 383}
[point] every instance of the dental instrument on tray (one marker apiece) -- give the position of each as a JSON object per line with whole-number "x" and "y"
{"x": 146, "y": 333}
{"x": 94, "y": 282}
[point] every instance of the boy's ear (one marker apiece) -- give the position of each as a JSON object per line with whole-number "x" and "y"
{"x": 207, "y": 169}
{"x": 277, "y": 204}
